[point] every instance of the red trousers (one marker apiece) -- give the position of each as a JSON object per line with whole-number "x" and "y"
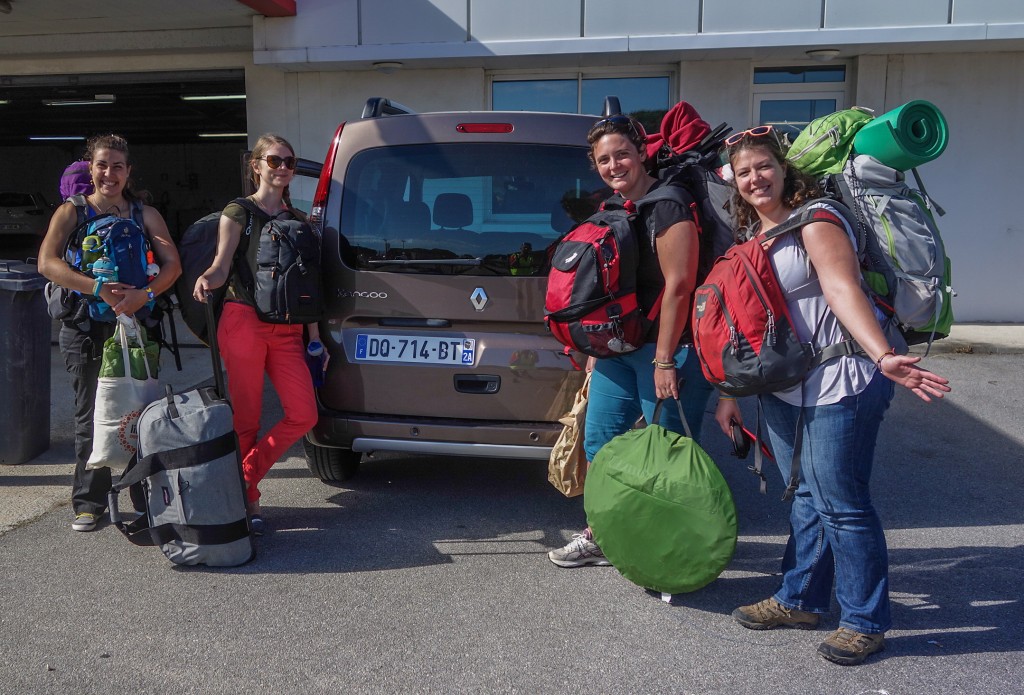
{"x": 251, "y": 348}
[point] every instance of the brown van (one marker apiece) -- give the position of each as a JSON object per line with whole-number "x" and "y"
{"x": 437, "y": 230}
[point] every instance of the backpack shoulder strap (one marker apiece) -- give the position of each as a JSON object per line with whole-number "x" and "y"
{"x": 138, "y": 214}
{"x": 81, "y": 207}
{"x": 805, "y": 216}
{"x": 669, "y": 191}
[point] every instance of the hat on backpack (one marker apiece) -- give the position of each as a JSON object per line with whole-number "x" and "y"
{"x": 76, "y": 180}
{"x": 681, "y": 129}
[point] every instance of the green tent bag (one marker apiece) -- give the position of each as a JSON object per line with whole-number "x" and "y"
{"x": 660, "y": 509}
{"x": 825, "y": 144}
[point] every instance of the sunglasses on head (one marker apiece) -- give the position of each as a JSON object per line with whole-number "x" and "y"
{"x": 621, "y": 120}
{"x": 273, "y": 161}
{"x": 753, "y": 132}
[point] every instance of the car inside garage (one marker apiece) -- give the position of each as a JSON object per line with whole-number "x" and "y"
{"x": 186, "y": 130}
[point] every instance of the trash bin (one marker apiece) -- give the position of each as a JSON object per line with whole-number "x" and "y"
{"x": 24, "y": 364}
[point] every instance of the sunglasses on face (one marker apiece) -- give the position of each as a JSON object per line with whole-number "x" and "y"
{"x": 620, "y": 120}
{"x": 273, "y": 161}
{"x": 753, "y": 132}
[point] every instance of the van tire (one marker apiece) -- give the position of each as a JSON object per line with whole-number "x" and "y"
{"x": 330, "y": 464}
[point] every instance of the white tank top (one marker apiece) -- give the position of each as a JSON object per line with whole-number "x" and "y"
{"x": 839, "y": 377}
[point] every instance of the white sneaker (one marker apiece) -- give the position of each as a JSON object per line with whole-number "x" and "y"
{"x": 84, "y": 521}
{"x": 580, "y": 551}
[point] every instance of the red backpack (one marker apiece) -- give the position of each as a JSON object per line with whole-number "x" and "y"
{"x": 591, "y": 304}
{"x": 742, "y": 329}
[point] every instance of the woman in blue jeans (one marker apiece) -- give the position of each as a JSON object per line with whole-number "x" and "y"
{"x": 835, "y": 533}
{"x": 623, "y": 388}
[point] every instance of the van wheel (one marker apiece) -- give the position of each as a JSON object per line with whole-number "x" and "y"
{"x": 329, "y": 464}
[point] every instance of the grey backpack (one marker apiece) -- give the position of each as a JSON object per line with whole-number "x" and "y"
{"x": 188, "y": 472}
{"x": 902, "y": 219}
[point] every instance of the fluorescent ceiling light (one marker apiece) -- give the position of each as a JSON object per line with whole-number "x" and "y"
{"x": 56, "y": 137}
{"x": 223, "y": 135}
{"x": 78, "y": 101}
{"x": 211, "y": 97}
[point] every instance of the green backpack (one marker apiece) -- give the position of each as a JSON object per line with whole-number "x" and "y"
{"x": 660, "y": 509}
{"x": 825, "y": 144}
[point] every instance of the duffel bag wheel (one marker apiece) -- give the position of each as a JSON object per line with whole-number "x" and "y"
{"x": 330, "y": 464}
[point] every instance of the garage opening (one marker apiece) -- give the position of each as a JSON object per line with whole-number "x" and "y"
{"x": 186, "y": 131}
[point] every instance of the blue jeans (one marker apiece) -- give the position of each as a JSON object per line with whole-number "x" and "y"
{"x": 622, "y": 388}
{"x": 834, "y": 530}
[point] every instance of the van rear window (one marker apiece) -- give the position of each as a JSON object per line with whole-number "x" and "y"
{"x": 465, "y": 208}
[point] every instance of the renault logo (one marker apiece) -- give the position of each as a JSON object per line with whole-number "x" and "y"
{"x": 478, "y": 298}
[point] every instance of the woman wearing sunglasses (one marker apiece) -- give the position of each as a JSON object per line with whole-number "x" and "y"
{"x": 251, "y": 348}
{"x": 835, "y": 532}
{"x": 625, "y": 387}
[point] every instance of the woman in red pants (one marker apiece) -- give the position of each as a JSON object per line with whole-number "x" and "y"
{"x": 250, "y": 347}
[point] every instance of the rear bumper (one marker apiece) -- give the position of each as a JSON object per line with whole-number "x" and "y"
{"x": 366, "y": 433}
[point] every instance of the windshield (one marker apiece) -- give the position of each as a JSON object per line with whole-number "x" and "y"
{"x": 465, "y": 208}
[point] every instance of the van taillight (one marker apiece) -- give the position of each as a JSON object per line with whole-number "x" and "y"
{"x": 323, "y": 186}
{"x": 484, "y": 128}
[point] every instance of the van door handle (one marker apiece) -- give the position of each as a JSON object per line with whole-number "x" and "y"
{"x": 477, "y": 383}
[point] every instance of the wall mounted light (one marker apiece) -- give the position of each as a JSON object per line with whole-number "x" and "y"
{"x": 388, "y": 66}
{"x": 823, "y": 55}
{"x": 4, "y": 101}
{"x": 222, "y": 135}
{"x": 47, "y": 138}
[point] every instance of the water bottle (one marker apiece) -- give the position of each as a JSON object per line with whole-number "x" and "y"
{"x": 315, "y": 357}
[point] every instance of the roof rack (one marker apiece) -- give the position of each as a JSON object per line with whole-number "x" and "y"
{"x": 380, "y": 106}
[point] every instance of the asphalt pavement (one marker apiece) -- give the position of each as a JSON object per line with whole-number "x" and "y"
{"x": 428, "y": 575}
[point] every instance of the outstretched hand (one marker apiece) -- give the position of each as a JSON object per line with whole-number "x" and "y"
{"x": 903, "y": 370}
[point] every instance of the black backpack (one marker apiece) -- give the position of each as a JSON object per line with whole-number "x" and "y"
{"x": 284, "y": 285}
{"x": 696, "y": 170}
{"x": 196, "y": 249}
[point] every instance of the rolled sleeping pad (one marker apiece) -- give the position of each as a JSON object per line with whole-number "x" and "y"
{"x": 906, "y": 137}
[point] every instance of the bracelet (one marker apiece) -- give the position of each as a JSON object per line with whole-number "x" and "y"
{"x": 149, "y": 293}
{"x": 878, "y": 362}
{"x": 663, "y": 365}
{"x": 96, "y": 287}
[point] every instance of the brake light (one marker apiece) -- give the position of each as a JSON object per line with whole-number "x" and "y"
{"x": 484, "y": 128}
{"x": 323, "y": 186}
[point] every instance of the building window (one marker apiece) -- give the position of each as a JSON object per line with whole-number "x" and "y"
{"x": 791, "y": 97}
{"x": 581, "y": 93}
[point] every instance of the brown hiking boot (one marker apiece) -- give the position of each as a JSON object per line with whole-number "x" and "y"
{"x": 769, "y": 614}
{"x": 849, "y": 648}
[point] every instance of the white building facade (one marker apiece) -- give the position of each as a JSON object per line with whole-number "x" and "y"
{"x": 744, "y": 62}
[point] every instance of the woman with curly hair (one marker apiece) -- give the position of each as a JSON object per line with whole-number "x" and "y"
{"x": 835, "y": 532}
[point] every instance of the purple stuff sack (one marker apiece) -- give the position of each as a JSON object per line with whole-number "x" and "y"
{"x": 76, "y": 180}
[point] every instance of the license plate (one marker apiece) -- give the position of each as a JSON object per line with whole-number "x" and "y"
{"x": 415, "y": 349}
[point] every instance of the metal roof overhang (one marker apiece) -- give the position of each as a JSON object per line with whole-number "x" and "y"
{"x": 629, "y": 50}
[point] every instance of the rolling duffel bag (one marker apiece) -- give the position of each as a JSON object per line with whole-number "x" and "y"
{"x": 189, "y": 472}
